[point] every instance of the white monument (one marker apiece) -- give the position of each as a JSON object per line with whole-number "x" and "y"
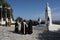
{"x": 48, "y": 19}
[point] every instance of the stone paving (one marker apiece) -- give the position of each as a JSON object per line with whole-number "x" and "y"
{"x": 6, "y": 33}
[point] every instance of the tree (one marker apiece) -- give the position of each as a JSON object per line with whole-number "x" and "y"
{"x": 19, "y": 19}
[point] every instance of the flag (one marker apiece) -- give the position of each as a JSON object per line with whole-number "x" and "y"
{"x": 0, "y": 6}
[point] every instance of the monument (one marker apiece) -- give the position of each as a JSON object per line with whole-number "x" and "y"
{"x": 5, "y": 13}
{"x": 48, "y": 19}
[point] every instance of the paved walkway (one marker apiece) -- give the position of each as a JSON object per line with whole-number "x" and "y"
{"x": 6, "y": 33}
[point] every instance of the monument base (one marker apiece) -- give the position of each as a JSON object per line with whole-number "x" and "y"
{"x": 54, "y": 27}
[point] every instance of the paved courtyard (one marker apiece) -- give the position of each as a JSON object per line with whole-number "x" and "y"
{"x": 7, "y": 33}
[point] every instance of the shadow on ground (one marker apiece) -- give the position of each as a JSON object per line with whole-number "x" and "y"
{"x": 49, "y": 35}
{"x": 16, "y": 33}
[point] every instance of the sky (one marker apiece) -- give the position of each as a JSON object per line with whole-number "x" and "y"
{"x": 32, "y": 9}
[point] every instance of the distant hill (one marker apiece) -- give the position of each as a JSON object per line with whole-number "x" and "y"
{"x": 54, "y": 22}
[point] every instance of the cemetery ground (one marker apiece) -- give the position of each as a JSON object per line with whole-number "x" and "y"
{"x": 39, "y": 33}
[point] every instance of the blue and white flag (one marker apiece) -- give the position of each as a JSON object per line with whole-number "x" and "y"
{"x": 0, "y": 6}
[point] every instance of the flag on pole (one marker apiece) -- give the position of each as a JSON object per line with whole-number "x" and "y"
{"x": 0, "y": 6}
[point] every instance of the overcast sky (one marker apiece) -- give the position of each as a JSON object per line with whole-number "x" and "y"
{"x": 32, "y": 9}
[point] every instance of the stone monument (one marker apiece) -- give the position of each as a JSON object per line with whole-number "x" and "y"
{"x": 48, "y": 19}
